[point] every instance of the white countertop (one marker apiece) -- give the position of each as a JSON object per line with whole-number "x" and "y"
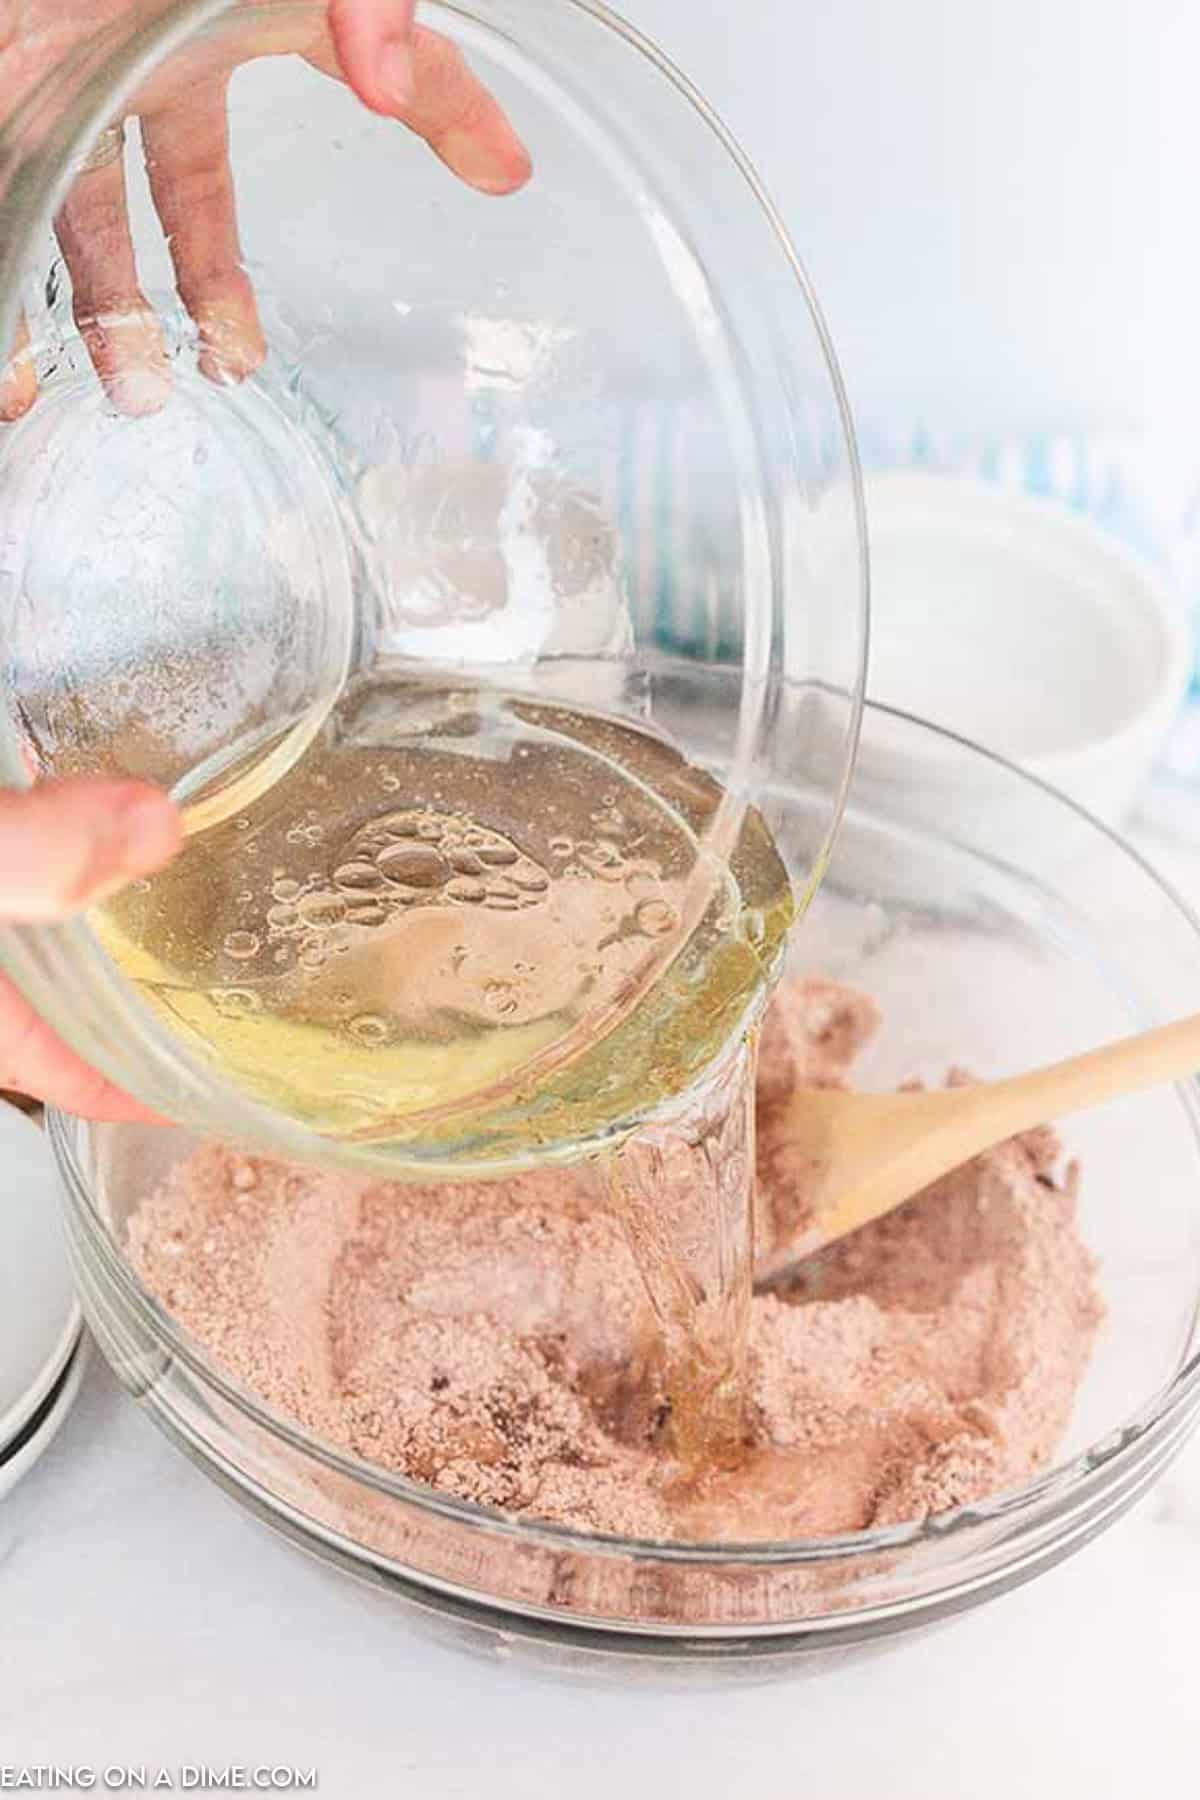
{"x": 144, "y": 1619}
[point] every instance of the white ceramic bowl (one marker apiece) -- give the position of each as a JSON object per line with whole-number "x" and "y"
{"x": 1017, "y": 623}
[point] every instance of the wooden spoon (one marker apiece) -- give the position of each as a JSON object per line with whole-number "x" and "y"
{"x": 871, "y": 1152}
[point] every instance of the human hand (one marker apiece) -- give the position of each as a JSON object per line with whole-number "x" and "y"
{"x": 64, "y": 846}
{"x": 394, "y": 66}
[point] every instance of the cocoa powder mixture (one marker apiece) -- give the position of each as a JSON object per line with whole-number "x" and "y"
{"x": 495, "y": 1340}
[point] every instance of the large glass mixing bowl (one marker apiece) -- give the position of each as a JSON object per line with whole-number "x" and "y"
{"x": 975, "y": 960}
{"x": 567, "y": 448}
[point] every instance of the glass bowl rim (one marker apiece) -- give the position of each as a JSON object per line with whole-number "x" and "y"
{"x": 1087, "y": 1472}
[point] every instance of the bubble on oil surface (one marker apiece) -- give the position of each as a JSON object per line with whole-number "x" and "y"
{"x": 413, "y": 865}
{"x": 371, "y": 913}
{"x": 320, "y": 911}
{"x": 241, "y": 945}
{"x": 641, "y": 883}
{"x": 655, "y": 918}
{"x": 236, "y": 1003}
{"x": 531, "y": 881}
{"x": 397, "y": 825}
{"x": 603, "y": 860}
{"x": 359, "y": 878}
{"x": 424, "y": 857}
{"x": 369, "y": 1028}
{"x": 469, "y": 892}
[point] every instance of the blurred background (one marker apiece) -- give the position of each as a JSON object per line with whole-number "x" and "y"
{"x": 997, "y": 206}
{"x": 997, "y": 203}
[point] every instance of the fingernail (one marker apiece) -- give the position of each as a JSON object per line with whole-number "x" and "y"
{"x": 137, "y": 831}
{"x": 230, "y": 351}
{"x": 396, "y": 72}
{"x": 479, "y": 163}
{"x": 18, "y": 386}
{"x": 130, "y": 357}
{"x": 150, "y": 828}
{"x": 138, "y": 392}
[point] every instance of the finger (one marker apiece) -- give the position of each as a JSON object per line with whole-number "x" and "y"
{"x": 373, "y": 42}
{"x": 452, "y": 110}
{"x": 34, "y": 1061}
{"x": 187, "y": 161}
{"x": 18, "y": 381}
{"x": 123, "y": 337}
{"x": 460, "y": 120}
{"x": 67, "y": 844}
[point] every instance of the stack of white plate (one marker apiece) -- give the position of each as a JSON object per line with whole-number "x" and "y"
{"x": 42, "y": 1348}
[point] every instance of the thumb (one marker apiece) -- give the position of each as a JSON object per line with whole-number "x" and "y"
{"x": 66, "y": 844}
{"x": 373, "y": 41}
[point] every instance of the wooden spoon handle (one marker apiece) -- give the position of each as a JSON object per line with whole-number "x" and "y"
{"x": 870, "y": 1152}
{"x": 1001, "y": 1109}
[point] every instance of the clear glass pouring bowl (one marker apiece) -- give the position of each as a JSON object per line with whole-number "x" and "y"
{"x": 568, "y": 447}
{"x": 976, "y": 961}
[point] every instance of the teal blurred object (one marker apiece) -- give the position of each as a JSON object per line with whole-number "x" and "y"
{"x": 1126, "y": 487}
{"x": 1141, "y": 491}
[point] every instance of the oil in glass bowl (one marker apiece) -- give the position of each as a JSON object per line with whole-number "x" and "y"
{"x": 467, "y": 927}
